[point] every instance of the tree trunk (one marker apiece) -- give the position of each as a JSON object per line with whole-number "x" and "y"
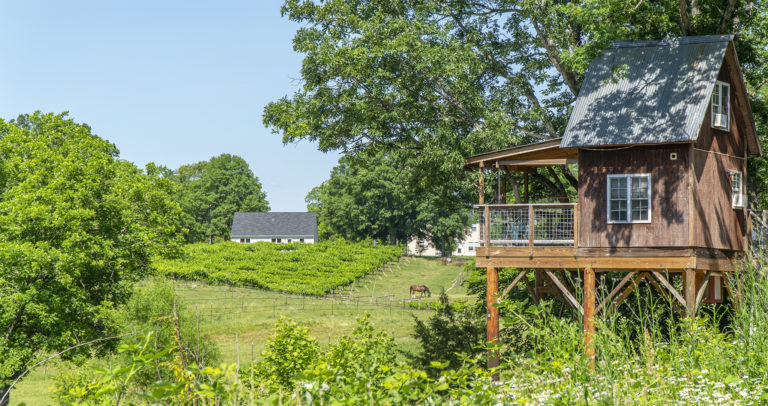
{"x": 210, "y": 242}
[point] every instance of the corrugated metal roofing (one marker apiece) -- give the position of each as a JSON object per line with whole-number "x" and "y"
{"x": 274, "y": 224}
{"x": 646, "y": 92}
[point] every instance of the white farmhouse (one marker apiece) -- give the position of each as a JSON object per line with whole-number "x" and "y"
{"x": 465, "y": 248}
{"x": 277, "y": 227}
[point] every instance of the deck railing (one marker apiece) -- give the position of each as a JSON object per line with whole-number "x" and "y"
{"x": 528, "y": 225}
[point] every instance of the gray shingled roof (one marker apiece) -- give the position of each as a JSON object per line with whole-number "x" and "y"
{"x": 274, "y": 224}
{"x": 646, "y": 92}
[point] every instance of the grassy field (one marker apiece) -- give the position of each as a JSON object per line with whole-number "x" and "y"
{"x": 240, "y": 319}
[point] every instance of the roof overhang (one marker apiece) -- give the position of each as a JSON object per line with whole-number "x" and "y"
{"x": 545, "y": 153}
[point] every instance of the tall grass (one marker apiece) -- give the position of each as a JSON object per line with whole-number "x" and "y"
{"x": 647, "y": 354}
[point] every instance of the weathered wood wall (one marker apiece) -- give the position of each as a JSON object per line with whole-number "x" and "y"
{"x": 669, "y": 196}
{"x": 716, "y": 224}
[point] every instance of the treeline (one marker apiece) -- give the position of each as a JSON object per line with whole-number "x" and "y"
{"x": 210, "y": 192}
{"x": 377, "y": 196}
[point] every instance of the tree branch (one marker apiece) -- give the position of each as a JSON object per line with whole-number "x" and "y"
{"x": 727, "y": 16}
{"x": 569, "y": 176}
{"x": 554, "y": 57}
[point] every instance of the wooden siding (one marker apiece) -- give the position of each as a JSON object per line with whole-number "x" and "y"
{"x": 669, "y": 196}
{"x": 716, "y": 224}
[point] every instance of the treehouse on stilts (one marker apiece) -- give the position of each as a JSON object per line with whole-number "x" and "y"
{"x": 661, "y": 132}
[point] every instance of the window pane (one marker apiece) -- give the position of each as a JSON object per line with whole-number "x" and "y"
{"x": 618, "y": 188}
{"x": 618, "y": 210}
{"x": 716, "y": 96}
{"x": 617, "y": 195}
{"x": 639, "y": 209}
{"x": 639, "y": 196}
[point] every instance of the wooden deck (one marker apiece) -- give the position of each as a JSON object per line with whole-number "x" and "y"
{"x": 605, "y": 259}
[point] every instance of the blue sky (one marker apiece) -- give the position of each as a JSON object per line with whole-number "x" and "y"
{"x": 172, "y": 82}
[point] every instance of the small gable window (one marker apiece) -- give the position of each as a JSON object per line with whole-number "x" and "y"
{"x": 738, "y": 199}
{"x": 721, "y": 106}
{"x": 629, "y": 198}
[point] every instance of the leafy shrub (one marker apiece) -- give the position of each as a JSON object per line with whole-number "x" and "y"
{"x": 289, "y": 352}
{"x": 155, "y": 306}
{"x": 448, "y": 334}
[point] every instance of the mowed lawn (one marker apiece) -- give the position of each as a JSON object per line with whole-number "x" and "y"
{"x": 240, "y": 319}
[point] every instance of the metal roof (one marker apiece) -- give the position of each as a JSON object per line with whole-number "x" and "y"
{"x": 646, "y": 92}
{"x": 274, "y": 224}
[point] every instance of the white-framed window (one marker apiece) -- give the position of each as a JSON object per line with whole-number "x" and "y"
{"x": 474, "y": 228}
{"x": 242, "y": 241}
{"x": 738, "y": 198}
{"x": 279, "y": 240}
{"x": 301, "y": 240}
{"x": 247, "y": 240}
{"x": 629, "y": 198}
{"x": 721, "y": 108}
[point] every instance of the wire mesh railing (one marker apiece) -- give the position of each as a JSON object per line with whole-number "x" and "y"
{"x": 528, "y": 225}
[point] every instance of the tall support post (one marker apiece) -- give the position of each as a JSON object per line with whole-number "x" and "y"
{"x": 481, "y": 186}
{"x": 492, "y": 289}
{"x": 689, "y": 291}
{"x": 589, "y": 311}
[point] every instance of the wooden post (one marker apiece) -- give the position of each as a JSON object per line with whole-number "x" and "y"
{"x": 531, "y": 232}
{"x": 492, "y": 289}
{"x": 689, "y": 290}
{"x": 525, "y": 187}
{"x": 589, "y": 312}
{"x": 575, "y": 226}
{"x": 487, "y": 229}
{"x": 481, "y": 198}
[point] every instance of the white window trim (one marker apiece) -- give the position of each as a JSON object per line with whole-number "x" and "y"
{"x": 741, "y": 203}
{"x": 629, "y": 198}
{"x": 722, "y": 85}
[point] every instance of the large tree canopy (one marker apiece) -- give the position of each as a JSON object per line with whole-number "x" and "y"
{"x": 77, "y": 227}
{"x": 210, "y": 192}
{"x": 378, "y": 197}
{"x": 437, "y": 80}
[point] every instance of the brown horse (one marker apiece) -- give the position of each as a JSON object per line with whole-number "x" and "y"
{"x": 422, "y": 289}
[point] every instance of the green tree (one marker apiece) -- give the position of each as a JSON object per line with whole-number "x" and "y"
{"x": 377, "y": 196}
{"x": 210, "y": 192}
{"x": 77, "y": 227}
{"x": 438, "y": 80}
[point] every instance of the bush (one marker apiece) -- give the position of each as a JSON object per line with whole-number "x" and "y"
{"x": 289, "y": 352}
{"x": 155, "y": 307}
{"x": 447, "y": 335}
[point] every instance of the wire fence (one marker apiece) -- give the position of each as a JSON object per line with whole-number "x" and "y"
{"x": 511, "y": 225}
